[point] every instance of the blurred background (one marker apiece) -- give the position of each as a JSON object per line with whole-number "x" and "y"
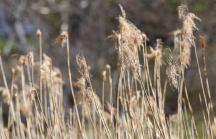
{"x": 89, "y": 22}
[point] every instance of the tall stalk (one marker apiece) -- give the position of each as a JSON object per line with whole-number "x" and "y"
{"x": 69, "y": 72}
{"x": 40, "y": 43}
{"x": 205, "y": 72}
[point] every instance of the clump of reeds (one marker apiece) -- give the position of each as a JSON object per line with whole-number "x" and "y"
{"x": 135, "y": 108}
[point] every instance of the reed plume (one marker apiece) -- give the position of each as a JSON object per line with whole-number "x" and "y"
{"x": 83, "y": 68}
{"x": 172, "y": 72}
{"x": 188, "y": 22}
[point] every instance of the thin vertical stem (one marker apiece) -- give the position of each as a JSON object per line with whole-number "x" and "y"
{"x": 202, "y": 86}
{"x": 41, "y": 96}
{"x": 69, "y": 72}
{"x": 205, "y": 72}
{"x": 191, "y": 112}
{"x": 206, "y": 127}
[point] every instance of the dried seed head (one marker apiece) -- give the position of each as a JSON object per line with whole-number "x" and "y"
{"x": 182, "y": 10}
{"x": 128, "y": 61}
{"x": 157, "y": 53}
{"x": 104, "y": 75}
{"x": 83, "y": 68}
{"x": 16, "y": 72}
{"x": 38, "y": 32}
{"x": 108, "y": 66}
{"x": 202, "y": 40}
{"x": 189, "y": 26}
{"x": 30, "y": 58}
{"x": 129, "y": 39}
{"x": 172, "y": 72}
{"x": 22, "y": 60}
{"x": 61, "y": 38}
{"x": 188, "y": 22}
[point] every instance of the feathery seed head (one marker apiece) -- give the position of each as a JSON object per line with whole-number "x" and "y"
{"x": 129, "y": 39}
{"x": 62, "y": 38}
{"x": 182, "y": 10}
{"x": 172, "y": 72}
{"x": 154, "y": 53}
{"x": 188, "y": 22}
{"x": 157, "y": 53}
{"x": 128, "y": 61}
{"x": 22, "y": 60}
{"x": 83, "y": 68}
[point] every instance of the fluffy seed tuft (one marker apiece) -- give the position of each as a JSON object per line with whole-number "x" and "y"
{"x": 62, "y": 38}
{"x": 188, "y": 22}
{"x": 83, "y": 68}
{"x": 172, "y": 72}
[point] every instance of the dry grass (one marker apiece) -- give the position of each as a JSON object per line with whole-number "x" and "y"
{"x": 137, "y": 111}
